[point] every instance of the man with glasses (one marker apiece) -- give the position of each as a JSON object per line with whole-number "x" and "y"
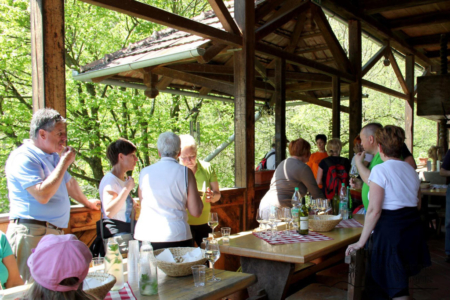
{"x": 39, "y": 186}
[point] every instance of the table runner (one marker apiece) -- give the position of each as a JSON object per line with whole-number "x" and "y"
{"x": 348, "y": 224}
{"x": 282, "y": 238}
{"x": 123, "y": 294}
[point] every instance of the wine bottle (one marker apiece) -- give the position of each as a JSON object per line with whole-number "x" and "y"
{"x": 303, "y": 216}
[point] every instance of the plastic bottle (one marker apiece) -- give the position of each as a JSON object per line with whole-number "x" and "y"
{"x": 343, "y": 204}
{"x": 148, "y": 271}
{"x": 296, "y": 198}
{"x": 114, "y": 263}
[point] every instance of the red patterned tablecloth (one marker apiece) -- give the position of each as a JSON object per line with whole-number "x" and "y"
{"x": 348, "y": 224}
{"x": 124, "y": 294}
{"x": 283, "y": 238}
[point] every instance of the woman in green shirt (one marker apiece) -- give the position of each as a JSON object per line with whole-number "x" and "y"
{"x": 206, "y": 181}
{"x": 9, "y": 272}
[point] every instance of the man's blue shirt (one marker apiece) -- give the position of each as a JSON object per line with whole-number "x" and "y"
{"x": 27, "y": 166}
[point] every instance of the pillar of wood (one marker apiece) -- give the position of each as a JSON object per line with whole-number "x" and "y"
{"x": 48, "y": 55}
{"x": 280, "y": 110}
{"x": 409, "y": 104}
{"x": 244, "y": 78}
{"x": 336, "y": 120}
{"x": 355, "y": 120}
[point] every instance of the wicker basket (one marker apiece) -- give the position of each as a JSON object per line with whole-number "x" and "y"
{"x": 178, "y": 269}
{"x": 324, "y": 222}
{"x": 101, "y": 291}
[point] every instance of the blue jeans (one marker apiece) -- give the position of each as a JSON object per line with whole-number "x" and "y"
{"x": 447, "y": 222}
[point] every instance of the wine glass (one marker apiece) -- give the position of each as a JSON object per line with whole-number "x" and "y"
{"x": 329, "y": 209}
{"x": 287, "y": 217}
{"x": 259, "y": 219}
{"x": 313, "y": 206}
{"x": 323, "y": 205}
{"x": 274, "y": 218}
{"x": 212, "y": 253}
{"x": 354, "y": 172}
{"x": 213, "y": 221}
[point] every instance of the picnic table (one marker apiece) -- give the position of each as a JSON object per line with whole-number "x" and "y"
{"x": 276, "y": 266}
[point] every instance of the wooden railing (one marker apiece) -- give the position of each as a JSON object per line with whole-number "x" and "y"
{"x": 230, "y": 209}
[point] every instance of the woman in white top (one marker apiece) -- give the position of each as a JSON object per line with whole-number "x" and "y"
{"x": 397, "y": 249}
{"x": 115, "y": 188}
{"x": 166, "y": 190}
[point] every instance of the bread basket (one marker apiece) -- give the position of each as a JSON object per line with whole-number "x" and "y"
{"x": 178, "y": 269}
{"x": 101, "y": 291}
{"x": 323, "y": 223}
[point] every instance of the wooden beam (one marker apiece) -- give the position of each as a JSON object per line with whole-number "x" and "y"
{"x": 409, "y": 103}
{"x": 296, "y": 33}
{"x": 312, "y": 50}
{"x": 211, "y": 52}
{"x": 244, "y": 111}
{"x": 432, "y": 39}
{"x": 48, "y": 55}
{"x": 315, "y": 77}
{"x": 265, "y": 9}
{"x": 376, "y": 28}
{"x": 221, "y": 86}
{"x": 369, "y": 65}
{"x": 378, "y": 6}
{"x": 383, "y": 89}
{"x": 150, "y": 81}
{"x": 435, "y": 17}
{"x": 302, "y": 61}
{"x": 150, "y": 13}
{"x": 307, "y": 98}
{"x": 397, "y": 72}
{"x": 199, "y": 68}
{"x": 355, "y": 102}
{"x": 434, "y": 54}
{"x": 282, "y": 19}
{"x": 224, "y": 16}
{"x": 164, "y": 82}
{"x": 280, "y": 110}
{"x": 336, "y": 113}
{"x": 310, "y": 86}
{"x": 330, "y": 38}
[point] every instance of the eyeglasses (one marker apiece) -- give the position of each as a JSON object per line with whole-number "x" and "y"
{"x": 186, "y": 158}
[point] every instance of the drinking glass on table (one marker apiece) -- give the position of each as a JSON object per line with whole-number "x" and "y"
{"x": 287, "y": 217}
{"x": 313, "y": 210}
{"x": 323, "y": 205}
{"x": 274, "y": 219}
{"x": 213, "y": 221}
{"x": 212, "y": 253}
{"x": 260, "y": 219}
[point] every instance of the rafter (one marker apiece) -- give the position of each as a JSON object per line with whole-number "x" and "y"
{"x": 224, "y": 16}
{"x": 397, "y": 72}
{"x": 200, "y": 68}
{"x": 164, "y": 82}
{"x": 266, "y": 8}
{"x": 330, "y": 38}
{"x": 420, "y": 20}
{"x": 432, "y": 39}
{"x": 295, "y": 8}
{"x": 307, "y": 98}
{"x": 295, "y": 37}
{"x": 378, "y": 6}
{"x": 383, "y": 89}
{"x": 316, "y": 77}
{"x": 369, "y": 65}
{"x": 150, "y": 13}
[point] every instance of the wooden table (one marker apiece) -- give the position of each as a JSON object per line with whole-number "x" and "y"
{"x": 434, "y": 192}
{"x": 274, "y": 265}
{"x": 182, "y": 288}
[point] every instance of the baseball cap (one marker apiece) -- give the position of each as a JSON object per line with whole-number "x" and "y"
{"x": 58, "y": 257}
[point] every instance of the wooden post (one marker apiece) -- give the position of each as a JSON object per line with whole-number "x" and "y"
{"x": 244, "y": 78}
{"x": 48, "y": 55}
{"x": 336, "y": 107}
{"x": 355, "y": 120}
{"x": 409, "y": 104}
{"x": 280, "y": 110}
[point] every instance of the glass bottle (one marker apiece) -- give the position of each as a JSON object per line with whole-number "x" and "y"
{"x": 343, "y": 206}
{"x": 114, "y": 263}
{"x": 336, "y": 204}
{"x": 350, "y": 204}
{"x": 148, "y": 271}
{"x": 303, "y": 218}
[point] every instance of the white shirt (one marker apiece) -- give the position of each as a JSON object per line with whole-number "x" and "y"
{"x": 111, "y": 183}
{"x": 163, "y": 215}
{"x": 400, "y": 183}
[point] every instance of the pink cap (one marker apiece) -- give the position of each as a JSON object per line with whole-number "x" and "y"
{"x": 58, "y": 257}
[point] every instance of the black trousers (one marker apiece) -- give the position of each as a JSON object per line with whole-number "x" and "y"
{"x": 199, "y": 232}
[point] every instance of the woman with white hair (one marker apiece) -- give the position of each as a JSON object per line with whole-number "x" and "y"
{"x": 166, "y": 190}
{"x": 206, "y": 181}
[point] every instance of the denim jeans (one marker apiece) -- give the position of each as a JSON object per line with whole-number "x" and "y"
{"x": 447, "y": 222}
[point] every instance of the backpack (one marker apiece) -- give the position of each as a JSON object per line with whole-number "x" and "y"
{"x": 336, "y": 175}
{"x": 263, "y": 163}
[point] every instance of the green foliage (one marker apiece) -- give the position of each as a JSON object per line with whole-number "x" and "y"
{"x": 99, "y": 114}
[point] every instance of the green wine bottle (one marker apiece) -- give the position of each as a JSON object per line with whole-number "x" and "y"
{"x": 303, "y": 218}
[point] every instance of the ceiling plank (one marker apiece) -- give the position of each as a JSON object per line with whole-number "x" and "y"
{"x": 150, "y": 13}
{"x": 348, "y": 11}
{"x": 221, "y": 86}
{"x": 397, "y": 72}
{"x": 266, "y": 8}
{"x": 369, "y": 65}
{"x": 280, "y": 20}
{"x": 435, "y": 17}
{"x": 431, "y": 39}
{"x": 224, "y": 16}
{"x": 330, "y": 38}
{"x": 377, "y": 6}
{"x": 295, "y": 59}
{"x": 295, "y": 37}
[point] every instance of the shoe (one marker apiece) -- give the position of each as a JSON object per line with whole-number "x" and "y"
{"x": 447, "y": 259}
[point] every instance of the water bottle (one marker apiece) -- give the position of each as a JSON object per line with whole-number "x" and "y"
{"x": 296, "y": 198}
{"x": 148, "y": 272}
{"x": 343, "y": 206}
{"x": 114, "y": 264}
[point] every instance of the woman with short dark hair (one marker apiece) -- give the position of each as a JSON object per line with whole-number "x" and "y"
{"x": 291, "y": 173}
{"x": 397, "y": 249}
